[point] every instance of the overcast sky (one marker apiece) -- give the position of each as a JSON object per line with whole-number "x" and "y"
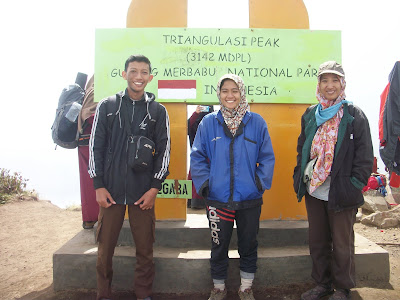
{"x": 44, "y": 43}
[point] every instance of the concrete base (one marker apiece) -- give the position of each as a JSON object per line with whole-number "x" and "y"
{"x": 183, "y": 268}
{"x": 194, "y": 232}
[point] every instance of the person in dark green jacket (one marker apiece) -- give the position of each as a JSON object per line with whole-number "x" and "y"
{"x": 334, "y": 162}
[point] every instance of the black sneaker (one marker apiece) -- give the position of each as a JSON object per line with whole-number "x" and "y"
{"x": 340, "y": 294}
{"x": 88, "y": 224}
{"x": 316, "y": 293}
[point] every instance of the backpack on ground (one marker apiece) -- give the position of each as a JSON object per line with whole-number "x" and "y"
{"x": 65, "y": 127}
{"x": 376, "y": 182}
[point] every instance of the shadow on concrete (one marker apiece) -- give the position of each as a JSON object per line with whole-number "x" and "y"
{"x": 49, "y": 294}
{"x": 288, "y": 292}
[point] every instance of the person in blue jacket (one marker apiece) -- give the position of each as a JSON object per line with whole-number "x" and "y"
{"x": 232, "y": 163}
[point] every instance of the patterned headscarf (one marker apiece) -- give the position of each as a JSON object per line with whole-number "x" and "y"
{"x": 233, "y": 117}
{"x": 323, "y": 144}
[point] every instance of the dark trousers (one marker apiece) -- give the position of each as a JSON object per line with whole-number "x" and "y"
{"x": 142, "y": 224}
{"x": 221, "y": 226}
{"x": 331, "y": 241}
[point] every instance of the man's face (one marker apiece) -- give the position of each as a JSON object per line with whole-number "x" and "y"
{"x": 137, "y": 76}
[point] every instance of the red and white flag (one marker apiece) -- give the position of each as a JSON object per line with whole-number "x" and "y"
{"x": 177, "y": 89}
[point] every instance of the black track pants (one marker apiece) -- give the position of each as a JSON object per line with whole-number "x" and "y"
{"x": 221, "y": 226}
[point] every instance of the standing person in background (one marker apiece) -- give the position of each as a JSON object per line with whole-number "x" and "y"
{"x": 119, "y": 185}
{"x": 90, "y": 207}
{"x": 232, "y": 164}
{"x": 334, "y": 162}
{"x": 389, "y": 117}
{"x": 193, "y": 122}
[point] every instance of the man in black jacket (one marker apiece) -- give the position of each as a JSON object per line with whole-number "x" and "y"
{"x": 118, "y": 185}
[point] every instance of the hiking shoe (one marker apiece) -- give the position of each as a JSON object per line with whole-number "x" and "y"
{"x": 340, "y": 294}
{"x": 88, "y": 224}
{"x": 217, "y": 294}
{"x": 246, "y": 295}
{"x": 316, "y": 293}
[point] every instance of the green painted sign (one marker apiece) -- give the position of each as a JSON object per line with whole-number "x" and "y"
{"x": 172, "y": 188}
{"x": 277, "y": 65}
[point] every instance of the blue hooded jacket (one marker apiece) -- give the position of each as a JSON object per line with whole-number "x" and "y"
{"x": 232, "y": 171}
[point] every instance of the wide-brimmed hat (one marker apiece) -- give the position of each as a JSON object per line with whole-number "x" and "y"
{"x": 331, "y": 67}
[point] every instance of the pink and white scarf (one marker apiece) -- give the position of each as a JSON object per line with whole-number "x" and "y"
{"x": 324, "y": 142}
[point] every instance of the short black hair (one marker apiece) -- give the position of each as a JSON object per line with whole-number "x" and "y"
{"x": 138, "y": 58}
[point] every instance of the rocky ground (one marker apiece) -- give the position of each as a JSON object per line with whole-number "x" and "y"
{"x": 30, "y": 234}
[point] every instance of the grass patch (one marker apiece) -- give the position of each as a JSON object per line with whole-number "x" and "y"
{"x": 13, "y": 188}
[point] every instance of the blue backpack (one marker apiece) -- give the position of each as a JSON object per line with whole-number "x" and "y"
{"x": 65, "y": 127}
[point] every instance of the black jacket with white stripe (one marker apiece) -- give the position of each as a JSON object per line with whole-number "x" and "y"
{"x": 108, "y": 146}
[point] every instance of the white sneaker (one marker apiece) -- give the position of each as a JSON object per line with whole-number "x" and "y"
{"x": 217, "y": 294}
{"x": 246, "y": 295}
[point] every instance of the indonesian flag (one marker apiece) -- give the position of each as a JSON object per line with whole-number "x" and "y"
{"x": 177, "y": 89}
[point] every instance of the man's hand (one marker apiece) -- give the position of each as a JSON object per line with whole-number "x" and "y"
{"x": 104, "y": 198}
{"x": 148, "y": 199}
